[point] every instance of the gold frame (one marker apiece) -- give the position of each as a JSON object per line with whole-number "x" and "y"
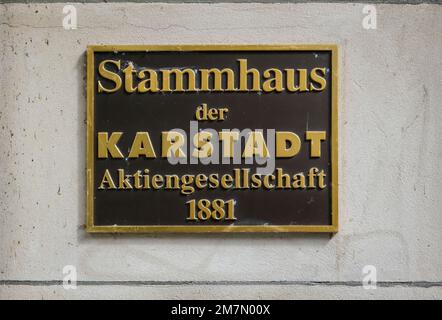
{"x": 90, "y": 227}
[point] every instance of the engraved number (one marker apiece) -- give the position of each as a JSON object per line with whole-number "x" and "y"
{"x": 217, "y": 209}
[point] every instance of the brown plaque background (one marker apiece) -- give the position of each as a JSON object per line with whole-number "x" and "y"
{"x": 256, "y": 210}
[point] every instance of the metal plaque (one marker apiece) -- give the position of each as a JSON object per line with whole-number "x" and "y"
{"x": 212, "y": 138}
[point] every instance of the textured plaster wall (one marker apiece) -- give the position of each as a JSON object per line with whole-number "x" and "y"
{"x": 390, "y": 158}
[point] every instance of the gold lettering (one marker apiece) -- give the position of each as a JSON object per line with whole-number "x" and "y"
{"x": 109, "y": 75}
{"x": 203, "y": 146}
{"x": 283, "y": 180}
{"x": 109, "y": 145}
{"x": 217, "y": 76}
{"x": 266, "y": 181}
{"x": 282, "y": 151}
{"x": 107, "y": 178}
{"x": 274, "y": 80}
{"x": 255, "y": 145}
{"x": 201, "y": 180}
{"x": 226, "y": 181}
{"x": 315, "y": 77}
{"x": 172, "y": 142}
{"x": 291, "y": 80}
{"x": 157, "y": 181}
{"x": 228, "y": 139}
{"x": 150, "y": 83}
{"x": 123, "y": 180}
{"x": 128, "y": 78}
{"x": 179, "y": 80}
{"x": 244, "y": 74}
{"x": 256, "y": 181}
{"x": 142, "y": 146}
{"x": 315, "y": 138}
{"x": 299, "y": 181}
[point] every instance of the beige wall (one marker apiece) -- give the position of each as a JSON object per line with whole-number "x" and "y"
{"x": 390, "y": 157}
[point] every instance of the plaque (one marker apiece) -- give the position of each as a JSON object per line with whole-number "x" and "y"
{"x": 212, "y": 138}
